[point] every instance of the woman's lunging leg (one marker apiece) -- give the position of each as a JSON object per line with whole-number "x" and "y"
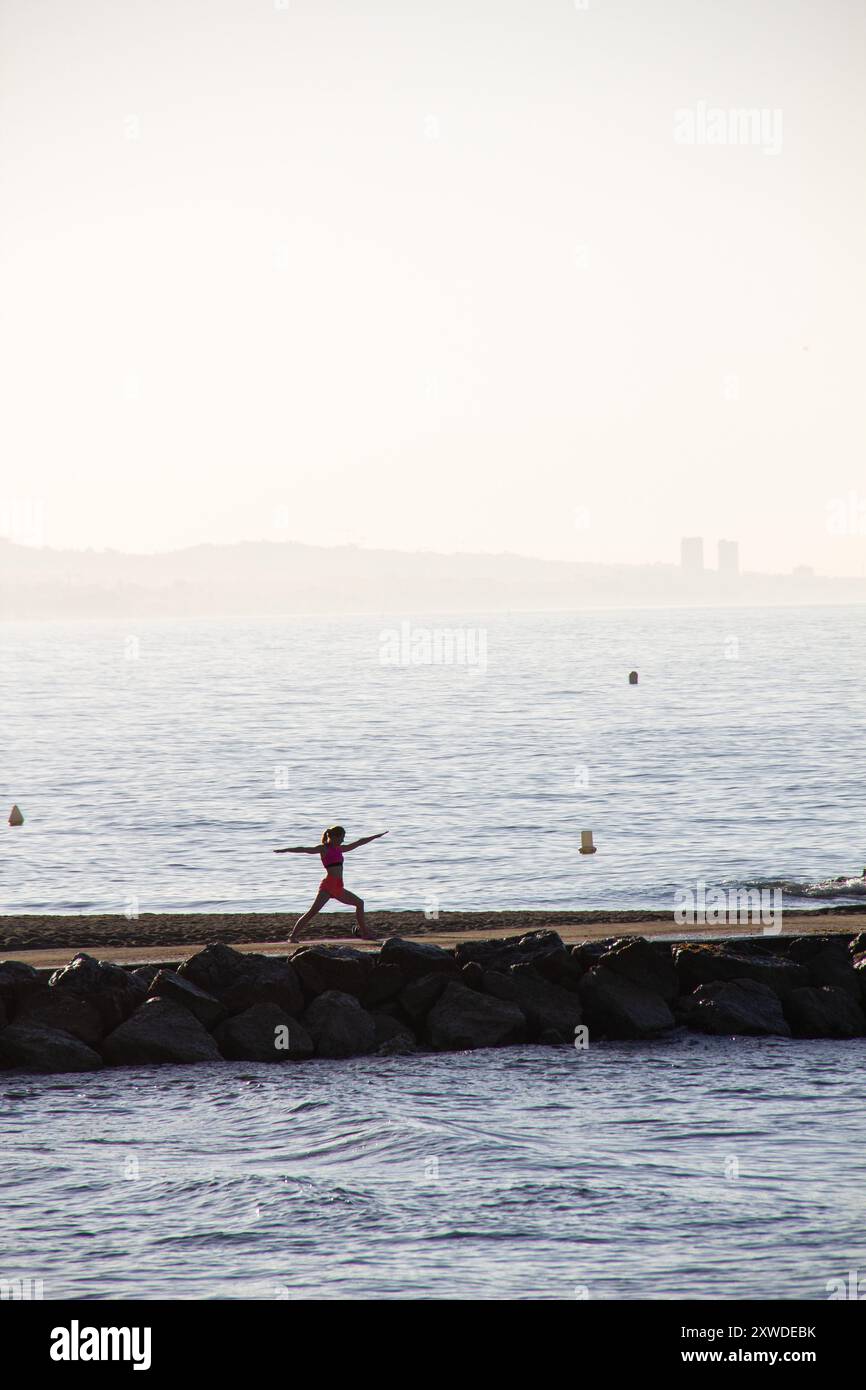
{"x": 358, "y": 904}
{"x": 316, "y": 906}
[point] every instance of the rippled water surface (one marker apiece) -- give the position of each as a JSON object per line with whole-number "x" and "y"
{"x": 158, "y": 767}
{"x": 696, "y": 1167}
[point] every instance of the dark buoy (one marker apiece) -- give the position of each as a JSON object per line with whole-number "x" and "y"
{"x": 632, "y": 677}
{"x": 586, "y": 845}
{"x": 15, "y": 817}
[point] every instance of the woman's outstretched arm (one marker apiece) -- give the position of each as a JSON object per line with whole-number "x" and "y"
{"x": 365, "y": 841}
{"x": 299, "y": 849}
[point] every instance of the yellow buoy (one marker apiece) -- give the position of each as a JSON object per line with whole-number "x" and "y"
{"x": 15, "y": 817}
{"x": 586, "y": 845}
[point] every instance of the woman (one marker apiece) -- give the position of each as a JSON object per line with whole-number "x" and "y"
{"x": 331, "y": 852}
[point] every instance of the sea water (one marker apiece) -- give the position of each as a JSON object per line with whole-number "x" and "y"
{"x": 690, "y": 1167}
{"x": 158, "y": 764}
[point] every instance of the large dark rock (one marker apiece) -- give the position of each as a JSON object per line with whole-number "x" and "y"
{"x": 827, "y": 961}
{"x": 45, "y": 1049}
{"x": 463, "y": 1018}
{"x": 146, "y": 974}
{"x": 588, "y": 954}
{"x": 486, "y": 953}
{"x": 802, "y": 948}
{"x": 764, "y": 946}
{"x": 383, "y": 983}
{"x": 701, "y": 965}
{"x": 110, "y": 988}
{"x": 547, "y": 1007}
{"x": 543, "y": 949}
{"x": 214, "y": 969}
{"x": 472, "y": 975}
{"x": 615, "y": 1007}
{"x": 265, "y": 980}
{"x": 168, "y": 984}
{"x": 560, "y": 968}
{"x": 534, "y": 946}
{"x": 645, "y": 963}
{"x": 240, "y": 979}
{"x": 263, "y": 1033}
{"x": 393, "y": 1010}
{"x": 114, "y": 991}
{"x": 16, "y": 980}
{"x": 417, "y": 958}
{"x": 325, "y": 968}
{"x": 389, "y": 1029}
{"x": 418, "y": 998}
{"x": 833, "y": 966}
{"x": 824, "y": 1012}
{"x": 723, "y": 1007}
{"x": 62, "y": 1011}
{"x": 339, "y": 1026}
{"x": 160, "y": 1031}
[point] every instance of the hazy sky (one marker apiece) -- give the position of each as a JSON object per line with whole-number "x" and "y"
{"x": 435, "y": 275}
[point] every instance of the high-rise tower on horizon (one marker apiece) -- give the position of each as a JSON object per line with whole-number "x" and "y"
{"x": 692, "y": 553}
{"x": 729, "y": 557}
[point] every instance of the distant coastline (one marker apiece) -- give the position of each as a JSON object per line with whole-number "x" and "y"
{"x": 285, "y": 578}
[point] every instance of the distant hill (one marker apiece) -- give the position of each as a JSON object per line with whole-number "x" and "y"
{"x": 272, "y": 578}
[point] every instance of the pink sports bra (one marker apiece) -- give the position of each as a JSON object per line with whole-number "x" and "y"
{"x": 332, "y": 854}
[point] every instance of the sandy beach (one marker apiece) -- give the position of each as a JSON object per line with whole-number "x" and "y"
{"x": 173, "y": 936}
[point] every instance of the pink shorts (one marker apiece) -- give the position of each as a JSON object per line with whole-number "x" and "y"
{"x": 334, "y": 888}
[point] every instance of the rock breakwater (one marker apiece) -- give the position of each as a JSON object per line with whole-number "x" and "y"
{"x": 410, "y": 996}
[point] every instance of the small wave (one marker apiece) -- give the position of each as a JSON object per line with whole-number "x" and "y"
{"x": 825, "y": 889}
